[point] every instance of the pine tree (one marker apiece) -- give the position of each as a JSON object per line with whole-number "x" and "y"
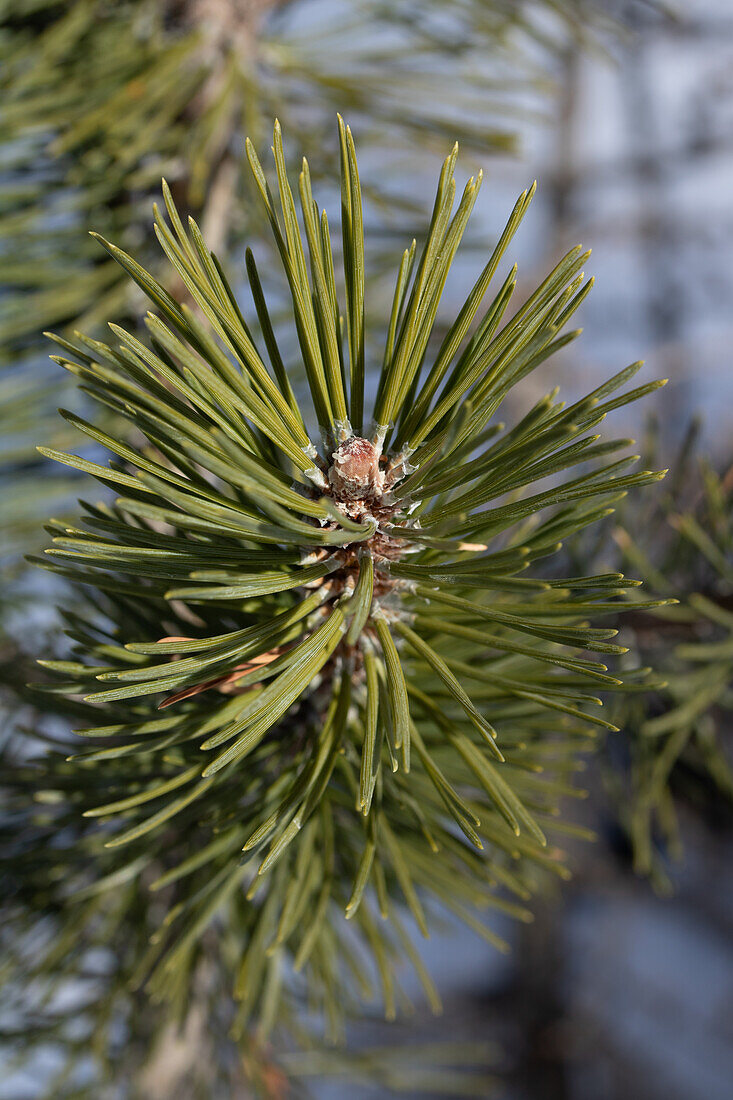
{"x": 321, "y": 667}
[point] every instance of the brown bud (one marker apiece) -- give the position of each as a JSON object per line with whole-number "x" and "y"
{"x": 355, "y": 473}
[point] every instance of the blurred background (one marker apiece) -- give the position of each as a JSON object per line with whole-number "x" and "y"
{"x": 622, "y": 988}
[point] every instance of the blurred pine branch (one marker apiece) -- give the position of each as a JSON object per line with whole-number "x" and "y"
{"x": 677, "y": 739}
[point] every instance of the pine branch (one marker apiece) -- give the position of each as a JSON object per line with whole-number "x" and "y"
{"x": 677, "y": 729}
{"x": 307, "y": 655}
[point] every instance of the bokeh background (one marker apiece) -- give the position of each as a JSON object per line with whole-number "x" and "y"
{"x": 614, "y": 992}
